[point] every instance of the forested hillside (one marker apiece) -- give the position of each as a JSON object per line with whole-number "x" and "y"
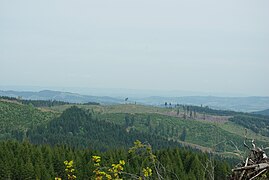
{"x": 198, "y": 127}
{"x": 264, "y": 112}
{"x": 75, "y": 132}
{"x": 16, "y": 118}
{"x": 258, "y": 123}
{"x": 77, "y": 128}
{"x": 202, "y": 126}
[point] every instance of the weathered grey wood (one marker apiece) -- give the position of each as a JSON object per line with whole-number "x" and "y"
{"x": 255, "y": 165}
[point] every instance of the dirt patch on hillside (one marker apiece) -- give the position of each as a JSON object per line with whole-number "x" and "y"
{"x": 11, "y": 101}
{"x": 198, "y": 116}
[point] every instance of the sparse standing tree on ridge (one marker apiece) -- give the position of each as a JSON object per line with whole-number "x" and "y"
{"x": 126, "y": 99}
{"x": 190, "y": 114}
{"x": 183, "y": 134}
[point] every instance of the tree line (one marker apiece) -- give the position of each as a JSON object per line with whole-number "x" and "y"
{"x": 43, "y": 103}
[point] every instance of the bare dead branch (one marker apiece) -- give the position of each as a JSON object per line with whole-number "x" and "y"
{"x": 255, "y": 164}
{"x": 258, "y": 174}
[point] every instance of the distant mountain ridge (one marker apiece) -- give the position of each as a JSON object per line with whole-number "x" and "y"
{"x": 244, "y": 104}
{"x": 61, "y": 96}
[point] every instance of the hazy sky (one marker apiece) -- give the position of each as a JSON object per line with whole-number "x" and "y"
{"x": 207, "y": 46}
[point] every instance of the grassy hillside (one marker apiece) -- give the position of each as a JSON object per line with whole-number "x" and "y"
{"x": 203, "y": 133}
{"x": 15, "y": 117}
{"x": 207, "y": 130}
{"x": 119, "y": 108}
{"x": 200, "y": 130}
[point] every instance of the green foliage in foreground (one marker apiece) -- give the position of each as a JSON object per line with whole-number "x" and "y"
{"x": 26, "y": 161}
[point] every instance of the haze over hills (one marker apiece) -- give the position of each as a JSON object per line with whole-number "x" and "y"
{"x": 123, "y": 92}
{"x": 60, "y": 96}
{"x": 244, "y": 104}
{"x": 167, "y": 90}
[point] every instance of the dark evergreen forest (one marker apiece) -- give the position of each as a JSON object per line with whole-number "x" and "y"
{"x": 22, "y": 160}
{"x": 77, "y": 128}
